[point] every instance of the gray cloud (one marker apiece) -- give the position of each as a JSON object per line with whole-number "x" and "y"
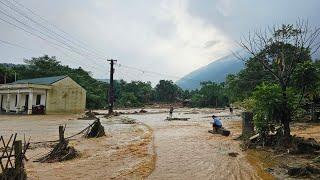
{"x": 211, "y": 43}
{"x": 170, "y": 37}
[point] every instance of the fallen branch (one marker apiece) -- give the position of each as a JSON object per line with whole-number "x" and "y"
{"x": 177, "y": 119}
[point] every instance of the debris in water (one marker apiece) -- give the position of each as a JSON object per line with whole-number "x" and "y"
{"x": 97, "y": 130}
{"x": 61, "y": 152}
{"x": 128, "y": 121}
{"x": 303, "y": 171}
{"x": 177, "y": 119}
{"x": 221, "y": 131}
{"x": 233, "y": 154}
{"x": 143, "y": 111}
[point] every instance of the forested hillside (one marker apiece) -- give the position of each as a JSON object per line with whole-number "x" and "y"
{"x": 216, "y": 71}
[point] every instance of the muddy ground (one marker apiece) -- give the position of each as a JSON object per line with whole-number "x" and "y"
{"x": 277, "y": 163}
{"x": 152, "y": 148}
{"x": 125, "y": 152}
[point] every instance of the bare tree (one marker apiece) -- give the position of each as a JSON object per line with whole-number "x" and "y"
{"x": 279, "y": 50}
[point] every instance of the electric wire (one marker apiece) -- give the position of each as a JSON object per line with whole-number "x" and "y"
{"x": 59, "y": 42}
{"x": 38, "y": 51}
{"x": 16, "y": 9}
{"x": 63, "y": 42}
{"x": 71, "y": 38}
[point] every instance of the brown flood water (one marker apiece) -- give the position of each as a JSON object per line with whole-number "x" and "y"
{"x": 152, "y": 149}
{"x": 125, "y": 153}
{"x": 185, "y": 150}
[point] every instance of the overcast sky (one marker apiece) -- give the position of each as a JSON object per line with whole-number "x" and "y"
{"x": 170, "y": 37}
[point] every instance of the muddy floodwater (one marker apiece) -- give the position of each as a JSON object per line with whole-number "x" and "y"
{"x": 151, "y": 148}
{"x": 185, "y": 149}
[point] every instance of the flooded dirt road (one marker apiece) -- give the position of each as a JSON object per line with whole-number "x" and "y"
{"x": 126, "y": 152}
{"x": 185, "y": 149}
{"x": 150, "y": 149}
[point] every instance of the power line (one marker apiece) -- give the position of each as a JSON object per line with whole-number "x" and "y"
{"x": 16, "y": 9}
{"x": 17, "y": 45}
{"x": 33, "y": 34}
{"x": 70, "y": 38}
{"x": 156, "y": 73}
{"x": 22, "y": 47}
{"x": 62, "y": 44}
{"x": 25, "y": 30}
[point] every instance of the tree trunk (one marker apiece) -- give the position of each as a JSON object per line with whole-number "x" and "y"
{"x": 286, "y": 114}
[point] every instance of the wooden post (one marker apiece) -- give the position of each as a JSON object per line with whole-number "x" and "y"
{"x": 61, "y": 134}
{"x": 247, "y": 123}
{"x": 17, "y": 145}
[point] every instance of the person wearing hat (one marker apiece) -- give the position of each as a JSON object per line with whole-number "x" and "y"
{"x": 216, "y": 123}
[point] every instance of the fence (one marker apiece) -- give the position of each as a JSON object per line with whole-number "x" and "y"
{"x": 11, "y": 158}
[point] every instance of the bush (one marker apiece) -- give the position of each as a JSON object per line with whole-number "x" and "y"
{"x": 128, "y": 99}
{"x": 266, "y": 107}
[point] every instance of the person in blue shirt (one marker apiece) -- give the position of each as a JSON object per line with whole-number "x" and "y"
{"x": 216, "y": 123}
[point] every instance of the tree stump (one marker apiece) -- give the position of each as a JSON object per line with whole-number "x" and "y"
{"x": 61, "y": 151}
{"x": 97, "y": 130}
{"x": 247, "y": 124}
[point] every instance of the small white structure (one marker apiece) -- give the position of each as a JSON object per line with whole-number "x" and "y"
{"x": 59, "y": 94}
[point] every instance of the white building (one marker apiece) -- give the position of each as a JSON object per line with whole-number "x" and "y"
{"x": 59, "y": 94}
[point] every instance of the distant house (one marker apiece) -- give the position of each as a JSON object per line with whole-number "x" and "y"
{"x": 59, "y": 94}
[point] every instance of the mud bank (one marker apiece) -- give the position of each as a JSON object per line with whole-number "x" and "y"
{"x": 269, "y": 161}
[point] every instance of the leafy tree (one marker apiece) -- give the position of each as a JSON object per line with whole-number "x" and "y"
{"x": 266, "y": 105}
{"x": 241, "y": 85}
{"x": 128, "y": 99}
{"x": 167, "y": 91}
{"x": 210, "y": 94}
{"x": 6, "y": 75}
{"x": 306, "y": 78}
{"x": 280, "y": 51}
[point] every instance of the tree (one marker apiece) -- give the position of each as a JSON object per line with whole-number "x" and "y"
{"x": 167, "y": 91}
{"x": 211, "y": 94}
{"x": 128, "y": 99}
{"x": 241, "y": 85}
{"x": 306, "y": 79}
{"x": 279, "y": 51}
{"x": 267, "y": 105}
{"x": 6, "y": 75}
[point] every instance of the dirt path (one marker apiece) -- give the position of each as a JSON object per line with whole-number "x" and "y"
{"x": 186, "y": 151}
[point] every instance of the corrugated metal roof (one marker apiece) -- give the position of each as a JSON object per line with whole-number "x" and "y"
{"x": 41, "y": 81}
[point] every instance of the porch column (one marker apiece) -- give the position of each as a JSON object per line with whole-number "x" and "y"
{"x": 30, "y": 102}
{"x": 18, "y": 102}
{"x": 8, "y": 102}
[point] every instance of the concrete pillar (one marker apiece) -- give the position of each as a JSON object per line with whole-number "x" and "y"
{"x": 8, "y": 102}
{"x": 18, "y": 106}
{"x": 30, "y": 102}
{"x": 247, "y": 123}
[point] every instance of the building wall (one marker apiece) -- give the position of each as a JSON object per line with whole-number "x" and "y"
{"x": 21, "y": 103}
{"x": 66, "y": 96}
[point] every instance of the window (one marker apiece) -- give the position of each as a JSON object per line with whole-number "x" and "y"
{"x": 38, "y": 100}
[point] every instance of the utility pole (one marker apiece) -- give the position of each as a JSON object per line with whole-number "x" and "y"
{"x": 111, "y": 90}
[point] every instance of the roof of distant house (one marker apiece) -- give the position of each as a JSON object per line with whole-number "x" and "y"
{"x": 40, "y": 81}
